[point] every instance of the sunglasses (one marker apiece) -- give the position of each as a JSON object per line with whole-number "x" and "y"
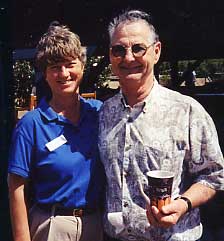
{"x": 138, "y": 50}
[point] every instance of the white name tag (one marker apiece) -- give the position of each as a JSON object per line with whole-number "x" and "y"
{"x": 57, "y": 142}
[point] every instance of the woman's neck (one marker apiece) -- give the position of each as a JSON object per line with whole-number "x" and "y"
{"x": 68, "y": 107}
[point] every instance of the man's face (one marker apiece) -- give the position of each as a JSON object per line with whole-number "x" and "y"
{"x": 134, "y": 72}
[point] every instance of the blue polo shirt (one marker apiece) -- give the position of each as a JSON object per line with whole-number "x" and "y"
{"x": 60, "y": 159}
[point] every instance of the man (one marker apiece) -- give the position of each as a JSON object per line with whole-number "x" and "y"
{"x": 189, "y": 75}
{"x": 149, "y": 127}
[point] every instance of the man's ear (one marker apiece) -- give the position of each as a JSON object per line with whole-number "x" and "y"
{"x": 157, "y": 50}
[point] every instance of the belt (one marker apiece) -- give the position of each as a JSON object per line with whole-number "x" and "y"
{"x": 77, "y": 212}
{"x": 62, "y": 211}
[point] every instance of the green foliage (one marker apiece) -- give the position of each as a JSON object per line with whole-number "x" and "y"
{"x": 92, "y": 61}
{"x": 104, "y": 78}
{"x": 208, "y": 68}
{"x": 23, "y": 73}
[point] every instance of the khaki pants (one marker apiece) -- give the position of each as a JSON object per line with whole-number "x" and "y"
{"x": 44, "y": 226}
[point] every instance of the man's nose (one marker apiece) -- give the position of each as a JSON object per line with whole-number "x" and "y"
{"x": 129, "y": 55}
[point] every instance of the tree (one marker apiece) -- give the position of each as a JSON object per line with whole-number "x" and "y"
{"x": 23, "y": 80}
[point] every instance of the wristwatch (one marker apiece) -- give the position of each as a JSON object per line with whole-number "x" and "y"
{"x": 187, "y": 200}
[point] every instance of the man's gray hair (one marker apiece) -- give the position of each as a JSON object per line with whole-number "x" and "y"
{"x": 129, "y": 16}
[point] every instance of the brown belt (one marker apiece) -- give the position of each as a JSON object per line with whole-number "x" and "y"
{"x": 77, "y": 212}
{"x": 61, "y": 211}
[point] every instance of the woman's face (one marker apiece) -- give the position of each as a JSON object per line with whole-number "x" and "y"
{"x": 64, "y": 77}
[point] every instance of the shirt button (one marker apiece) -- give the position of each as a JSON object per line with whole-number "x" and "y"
{"x": 145, "y": 109}
{"x": 130, "y": 119}
{"x": 127, "y": 148}
{"x": 125, "y": 204}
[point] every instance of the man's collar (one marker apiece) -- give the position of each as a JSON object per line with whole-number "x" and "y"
{"x": 145, "y": 103}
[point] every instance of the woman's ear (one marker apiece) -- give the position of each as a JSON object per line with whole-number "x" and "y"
{"x": 44, "y": 73}
{"x": 83, "y": 67}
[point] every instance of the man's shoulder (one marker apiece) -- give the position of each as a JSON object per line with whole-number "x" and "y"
{"x": 167, "y": 94}
{"x": 112, "y": 101}
{"x": 111, "y": 107}
{"x": 171, "y": 98}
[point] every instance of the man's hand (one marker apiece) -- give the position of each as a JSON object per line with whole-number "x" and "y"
{"x": 168, "y": 215}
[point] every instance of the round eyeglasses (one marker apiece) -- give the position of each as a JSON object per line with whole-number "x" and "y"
{"x": 138, "y": 50}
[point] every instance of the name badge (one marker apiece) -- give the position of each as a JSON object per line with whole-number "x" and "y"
{"x": 57, "y": 142}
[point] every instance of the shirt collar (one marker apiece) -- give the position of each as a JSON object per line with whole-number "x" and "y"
{"x": 45, "y": 110}
{"x": 145, "y": 103}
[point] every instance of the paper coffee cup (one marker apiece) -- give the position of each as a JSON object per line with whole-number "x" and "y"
{"x": 160, "y": 187}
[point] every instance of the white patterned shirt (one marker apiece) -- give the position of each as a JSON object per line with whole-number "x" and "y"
{"x": 167, "y": 131}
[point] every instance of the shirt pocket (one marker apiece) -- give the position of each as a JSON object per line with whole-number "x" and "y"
{"x": 169, "y": 156}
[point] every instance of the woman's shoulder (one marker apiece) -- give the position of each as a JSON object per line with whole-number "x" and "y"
{"x": 92, "y": 104}
{"x": 28, "y": 117}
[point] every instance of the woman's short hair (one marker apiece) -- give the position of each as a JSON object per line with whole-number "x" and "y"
{"x": 57, "y": 45}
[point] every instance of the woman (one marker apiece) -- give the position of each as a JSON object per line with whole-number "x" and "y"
{"x": 54, "y": 152}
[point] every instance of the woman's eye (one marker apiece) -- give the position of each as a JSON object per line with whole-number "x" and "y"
{"x": 71, "y": 65}
{"x": 54, "y": 67}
